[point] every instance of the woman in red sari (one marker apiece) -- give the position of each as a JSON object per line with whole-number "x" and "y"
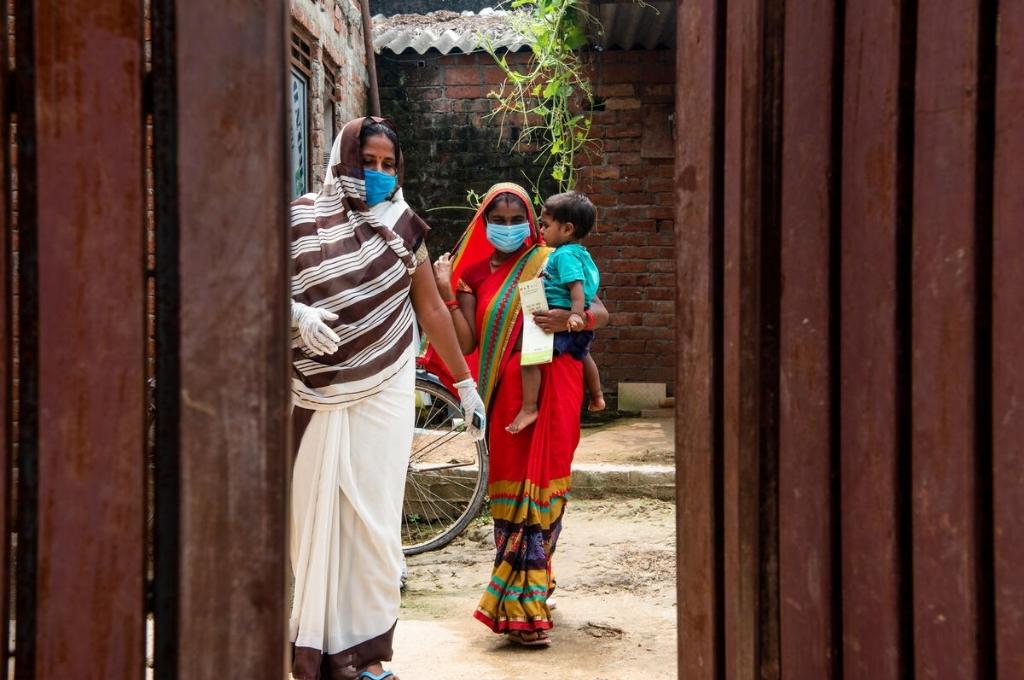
{"x": 529, "y": 471}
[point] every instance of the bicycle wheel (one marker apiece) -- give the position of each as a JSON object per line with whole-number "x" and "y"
{"x": 447, "y": 476}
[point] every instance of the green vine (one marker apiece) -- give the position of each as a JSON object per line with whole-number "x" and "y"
{"x": 551, "y": 94}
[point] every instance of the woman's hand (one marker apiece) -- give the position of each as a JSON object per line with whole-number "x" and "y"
{"x": 443, "y": 276}
{"x": 553, "y": 320}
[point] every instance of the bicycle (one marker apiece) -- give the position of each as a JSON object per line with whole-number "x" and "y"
{"x": 447, "y": 476}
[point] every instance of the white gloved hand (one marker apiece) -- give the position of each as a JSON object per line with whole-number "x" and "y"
{"x": 472, "y": 404}
{"x": 317, "y": 335}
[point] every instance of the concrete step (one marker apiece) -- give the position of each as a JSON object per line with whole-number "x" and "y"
{"x": 601, "y": 480}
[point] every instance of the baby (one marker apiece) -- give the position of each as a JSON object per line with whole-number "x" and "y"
{"x": 571, "y": 280}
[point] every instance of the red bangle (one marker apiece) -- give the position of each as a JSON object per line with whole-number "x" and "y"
{"x": 589, "y": 325}
{"x": 452, "y": 304}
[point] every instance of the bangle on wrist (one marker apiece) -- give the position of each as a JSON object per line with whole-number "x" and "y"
{"x": 589, "y": 320}
{"x": 451, "y": 304}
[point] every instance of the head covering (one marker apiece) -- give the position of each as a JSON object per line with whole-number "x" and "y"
{"x": 473, "y": 246}
{"x": 357, "y": 262}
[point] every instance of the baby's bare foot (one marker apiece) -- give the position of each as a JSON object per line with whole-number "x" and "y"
{"x": 597, "y": 403}
{"x": 523, "y": 419}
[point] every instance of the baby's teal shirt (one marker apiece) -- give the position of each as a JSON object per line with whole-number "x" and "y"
{"x": 570, "y": 262}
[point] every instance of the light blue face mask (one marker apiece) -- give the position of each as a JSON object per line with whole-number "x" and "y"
{"x": 379, "y": 186}
{"x": 508, "y": 238}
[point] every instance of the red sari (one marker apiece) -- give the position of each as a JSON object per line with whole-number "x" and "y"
{"x": 530, "y": 475}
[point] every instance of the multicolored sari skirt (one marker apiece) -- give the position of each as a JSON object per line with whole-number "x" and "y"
{"x": 529, "y": 486}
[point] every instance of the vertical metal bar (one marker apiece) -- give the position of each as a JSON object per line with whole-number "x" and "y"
{"x": 87, "y": 191}
{"x": 1007, "y": 341}
{"x": 6, "y": 340}
{"x": 28, "y": 341}
{"x": 167, "y": 391}
{"x": 869, "y": 431}
{"x": 805, "y": 427}
{"x": 698, "y": 446}
{"x": 750, "y": 299}
{"x": 944, "y": 391}
{"x": 232, "y": 277}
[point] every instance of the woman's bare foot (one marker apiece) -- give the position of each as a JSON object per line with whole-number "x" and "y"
{"x": 523, "y": 420}
{"x": 597, "y": 403}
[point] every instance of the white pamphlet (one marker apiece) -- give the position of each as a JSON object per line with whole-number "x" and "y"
{"x": 538, "y": 346}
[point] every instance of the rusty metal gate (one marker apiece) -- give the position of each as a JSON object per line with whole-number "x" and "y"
{"x": 94, "y": 112}
{"x": 850, "y": 187}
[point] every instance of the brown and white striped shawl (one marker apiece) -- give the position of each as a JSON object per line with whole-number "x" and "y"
{"x": 357, "y": 262}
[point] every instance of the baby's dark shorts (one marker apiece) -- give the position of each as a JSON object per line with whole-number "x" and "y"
{"x": 577, "y": 344}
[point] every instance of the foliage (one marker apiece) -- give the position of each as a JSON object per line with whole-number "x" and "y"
{"x": 551, "y": 95}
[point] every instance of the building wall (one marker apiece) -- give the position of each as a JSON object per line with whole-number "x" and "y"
{"x": 440, "y": 104}
{"x": 335, "y": 31}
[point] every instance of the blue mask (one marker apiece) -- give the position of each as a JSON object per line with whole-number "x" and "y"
{"x": 379, "y": 186}
{"x": 508, "y": 238}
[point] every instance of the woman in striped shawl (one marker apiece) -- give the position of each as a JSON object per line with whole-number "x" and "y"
{"x": 361, "y": 271}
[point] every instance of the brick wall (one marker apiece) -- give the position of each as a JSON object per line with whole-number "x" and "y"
{"x": 336, "y": 31}
{"x": 440, "y": 104}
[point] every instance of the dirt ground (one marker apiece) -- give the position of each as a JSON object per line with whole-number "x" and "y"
{"x": 640, "y": 441}
{"x": 616, "y": 602}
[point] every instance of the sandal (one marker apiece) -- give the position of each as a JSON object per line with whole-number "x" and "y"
{"x": 371, "y": 676}
{"x": 537, "y": 638}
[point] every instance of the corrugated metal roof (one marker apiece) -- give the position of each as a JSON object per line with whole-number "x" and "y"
{"x": 626, "y": 25}
{"x": 632, "y": 26}
{"x": 446, "y": 32}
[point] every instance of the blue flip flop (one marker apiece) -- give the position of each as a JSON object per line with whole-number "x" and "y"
{"x": 371, "y": 676}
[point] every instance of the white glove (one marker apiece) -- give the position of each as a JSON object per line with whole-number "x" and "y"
{"x": 472, "y": 405}
{"x": 317, "y": 335}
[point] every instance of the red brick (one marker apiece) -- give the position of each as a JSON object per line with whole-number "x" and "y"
{"x": 631, "y": 117}
{"x": 605, "y": 117}
{"x": 623, "y": 131}
{"x": 602, "y": 200}
{"x": 660, "y": 294}
{"x": 660, "y": 265}
{"x": 441, "y": 106}
{"x": 628, "y": 184}
{"x": 659, "y": 73}
{"x": 616, "y": 90}
{"x": 664, "y": 198}
{"x": 605, "y": 172}
{"x": 661, "y": 184}
{"x": 626, "y": 346}
{"x": 652, "y": 319}
{"x": 625, "y": 319}
{"x": 629, "y": 144}
{"x": 492, "y": 74}
{"x": 659, "y": 347}
{"x": 617, "y": 158}
{"x": 462, "y": 75}
{"x": 657, "y": 92}
{"x": 620, "y": 103}
{"x": 619, "y": 235}
{"x": 621, "y": 73}
{"x": 464, "y": 91}
{"x": 625, "y": 279}
{"x": 623, "y": 265}
{"x": 635, "y": 198}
